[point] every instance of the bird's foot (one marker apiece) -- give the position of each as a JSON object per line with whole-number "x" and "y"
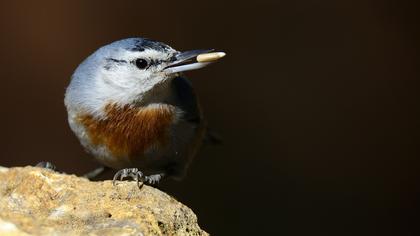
{"x": 46, "y": 165}
{"x": 138, "y": 176}
{"x": 134, "y": 173}
{"x": 154, "y": 179}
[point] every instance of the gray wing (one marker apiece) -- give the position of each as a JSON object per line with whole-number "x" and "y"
{"x": 188, "y": 134}
{"x": 184, "y": 98}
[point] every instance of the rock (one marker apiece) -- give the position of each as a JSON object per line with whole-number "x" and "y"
{"x": 35, "y": 201}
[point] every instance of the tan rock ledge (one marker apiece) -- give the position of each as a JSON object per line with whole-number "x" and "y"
{"x": 35, "y": 201}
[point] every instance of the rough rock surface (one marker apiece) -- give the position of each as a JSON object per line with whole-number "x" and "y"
{"x": 35, "y": 201}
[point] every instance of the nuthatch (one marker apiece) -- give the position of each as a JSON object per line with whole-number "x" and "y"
{"x": 132, "y": 109}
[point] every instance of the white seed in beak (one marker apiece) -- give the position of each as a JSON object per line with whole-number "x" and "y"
{"x": 209, "y": 57}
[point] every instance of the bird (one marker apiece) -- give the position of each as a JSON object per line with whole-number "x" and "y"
{"x": 134, "y": 111}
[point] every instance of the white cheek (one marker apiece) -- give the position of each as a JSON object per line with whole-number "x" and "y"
{"x": 122, "y": 85}
{"x": 122, "y": 77}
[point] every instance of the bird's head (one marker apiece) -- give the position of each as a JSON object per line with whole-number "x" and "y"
{"x": 129, "y": 71}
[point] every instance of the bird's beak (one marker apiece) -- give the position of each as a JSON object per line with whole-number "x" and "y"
{"x": 192, "y": 60}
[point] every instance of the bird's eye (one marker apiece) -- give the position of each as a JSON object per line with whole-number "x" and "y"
{"x": 142, "y": 63}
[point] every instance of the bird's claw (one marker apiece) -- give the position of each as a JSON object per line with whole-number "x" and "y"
{"x": 138, "y": 176}
{"x": 134, "y": 173}
{"x": 153, "y": 179}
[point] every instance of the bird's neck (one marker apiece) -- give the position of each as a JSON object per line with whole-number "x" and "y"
{"x": 160, "y": 93}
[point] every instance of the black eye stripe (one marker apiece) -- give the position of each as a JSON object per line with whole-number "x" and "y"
{"x": 150, "y": 62}
{"x": 141, "y": 63}
{"x": 116, "y": 60}
{"x": 155, "y": 62}
{"x": 112, "y": 62}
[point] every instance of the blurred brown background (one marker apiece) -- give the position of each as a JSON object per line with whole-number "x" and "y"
{"x": 317, "y": 103}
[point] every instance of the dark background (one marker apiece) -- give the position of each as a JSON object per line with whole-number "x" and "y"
{"x": 316, "y": 101}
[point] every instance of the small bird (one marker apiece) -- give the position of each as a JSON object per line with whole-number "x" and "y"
{"x": 134, "y": 111}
